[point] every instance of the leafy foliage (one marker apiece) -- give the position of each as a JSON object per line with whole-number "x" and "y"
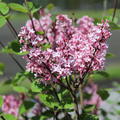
{"x": 9, "y": 117}
{"x": 26, "y": 106}
{"x": 86, "y": 116}
{"x": 103, "y": 94}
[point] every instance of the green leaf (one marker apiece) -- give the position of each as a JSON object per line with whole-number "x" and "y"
{"x": 35, "y": 87}
{"x": 39, "y": 87}
{"x": 40, "y": 32}
{"x": 48, "y": 100}
{"x": 110, "y": 55}
{"x": 4, "y": 9}
{"x": 20, "y": 89}
{"x": 110, "y": 19}
{"x": 30, "y": 5}
{"x": 9, "y": 117}
{"x": 19, "y": 77}
{"x": 14, "y": 48}
{"x": 102, "y": 73}
{"x": 89, "y": 108}
{"x": 18, "y": 7}
{"x": 2, "y": 21}
{"x": 25, "y": 106}
{"x": 1, "y": 101}
{"x": 86, "y": 116}
{"x": 66, "y": 99}
{"x": 2, "y": 68}
{"x": 35, "y": 10}
{"x": 114, "y": 26}
{"x": 50, "y": 6}
{"x": 48, "y": 113}
{"x": 103, "y": 94}
{"x": 46, "y": 46}
{"x": 97, "y": 20}
{"x": 22, "y": 109}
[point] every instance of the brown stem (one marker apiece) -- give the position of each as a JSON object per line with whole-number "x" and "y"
{"x": 81, "y": 97}
{"x": 14, "y": 59}
{"x": 30, "y": 15}
{"x": 2, "y": 118}
{"x": 115, "y": 9}
{"x": 10, "y": 25}
{"x": 73, "y": 94}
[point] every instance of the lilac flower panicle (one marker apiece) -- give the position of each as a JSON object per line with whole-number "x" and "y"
{"x": 11, "y": 105}
{"x": 72, "y": 48}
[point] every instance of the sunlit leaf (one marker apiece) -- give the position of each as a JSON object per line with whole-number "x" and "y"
{"x": 20, "y": 89}
{"x": 2, "y": 21}
{"x": 1, "y": 101}
{"x": 50, "y": 6}
{"x": 18, "y": 7}
{"x": 2, "y": 68}
{"x": 4, "y": 9}
{"x": 9, "y": 117}
{"x": 30, "y": 5}
{"x": 46, "y": 46}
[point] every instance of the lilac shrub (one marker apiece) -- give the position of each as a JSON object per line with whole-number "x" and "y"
{"x": 61, "y": 54}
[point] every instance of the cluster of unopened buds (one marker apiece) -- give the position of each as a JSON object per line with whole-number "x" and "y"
{"x": 61, "y": 47}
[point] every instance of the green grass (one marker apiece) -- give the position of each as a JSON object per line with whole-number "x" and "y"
{"x": 112, "y": 70}
{"x": 77, "y": 14}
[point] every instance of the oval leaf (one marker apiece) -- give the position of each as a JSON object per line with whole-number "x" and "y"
{"x": 103, "y": 94}
{"x": 4, "y": 9}
{"x": 18, "y": 7}
{"x": 20, "y": 89}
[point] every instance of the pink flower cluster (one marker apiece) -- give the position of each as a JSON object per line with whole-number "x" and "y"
{"x": 72, "y": 48}
{"x": 11, "y": 105}
{"x": 95, "y": 99}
